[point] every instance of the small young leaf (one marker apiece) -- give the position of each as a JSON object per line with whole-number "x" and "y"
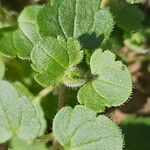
{"x": 18, "y": 116}
{"x": 18, "y": 144}
{"x": 6, "y": 42}
{"x": 81, "y": 129}
{"x": 74, "y": 19}
{"x": 52, "y": 57}
{"x": 112, "y": 85}
{"x": 27, "y": 35}
{"x": 2, "y": 68}
{"x": 128, "y": 17}
{"x": 74, "y": 78}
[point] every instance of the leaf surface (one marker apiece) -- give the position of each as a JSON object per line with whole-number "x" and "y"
{"x": 6, "y": 42}
{"x": 27, "y": 34}
{"x": 52, "y": 57}
{"x": 18, "y": 115}
{"x": 22, "y": 90}
{"x": 81, "y": 129}
{"x": 2, "y": 68}
{"x": 75, "y": 18}
{"x": 111, "y": 86}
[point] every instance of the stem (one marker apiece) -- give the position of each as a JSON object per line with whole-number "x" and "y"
{"x": 45, "y": 138}
{"x": 105, "y": 3}
{"x": 43, "y": 93}
{"x": 62, "y": 97}
{"x": 56, "y": 145}
{"x": 61, "y": 103}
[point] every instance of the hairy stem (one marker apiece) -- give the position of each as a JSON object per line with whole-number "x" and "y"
{"x": 105, "y": 3}
{"x": 62, "y": 97}
{"x": 61, "y": 103}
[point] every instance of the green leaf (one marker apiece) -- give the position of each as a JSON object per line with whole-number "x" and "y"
{"x": 128, "y": 17}
{"x": 18, "y": 144}
{"x": 135, "y": 1}
{"x": 111, "y": 86}
{"x": 40, "y": 115}
{"x": 75, "y": 19}
{"x": 18, "y": 115}
{"x": 81, "y": 129}
{"x": 22, "y": 90}
{"x": 74, "y": 77}
{"x": 27, "y": 35}
{"x": 2, "y": 68}
{"x": 52, "y": 57}
{"x": 6, "y": 42}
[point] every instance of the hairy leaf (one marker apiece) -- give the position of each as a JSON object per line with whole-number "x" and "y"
{"x": 40, "y": 115}
{"x": 75, "y": 18}
{"x": 128, "y": 17}
{"x": 81, "y": 129}
{"x": 2, "y": 68}
{"x": 18, "y": 144}
{"x": 27, "y": 35}
{"x": 52, "y": 57}
{"x": 6, "y": 42}
{"x": 22, "y": 90}
{"x": 18, "y": 115}
{"x": 111, "y": 85}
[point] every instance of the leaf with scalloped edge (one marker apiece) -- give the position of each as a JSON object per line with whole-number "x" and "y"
{"x": 81, "y": 129}
{"x": 27, "y": 34}
{"x": 75, "y": 18}
{"x": 2, "y": 67}
{"x": 18, "y": 115}
{"x": 52, "y": 57}
{"x": 112, "y": 83}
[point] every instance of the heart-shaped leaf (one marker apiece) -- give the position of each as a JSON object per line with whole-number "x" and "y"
{"x": 111, "y": 86}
